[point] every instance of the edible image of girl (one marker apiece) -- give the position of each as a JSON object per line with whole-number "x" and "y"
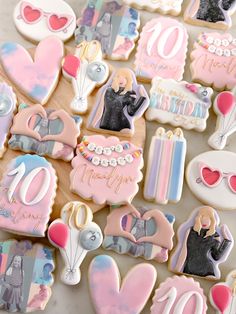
{"x": 202, "y": 245}
{"x": 103, "y": 31}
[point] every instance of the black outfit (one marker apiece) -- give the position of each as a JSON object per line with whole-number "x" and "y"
{"x": 200, "y": 249}
{"x": 113, "y": 117}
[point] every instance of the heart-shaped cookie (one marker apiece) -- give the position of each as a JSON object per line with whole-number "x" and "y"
{"x": 36, "y": 78}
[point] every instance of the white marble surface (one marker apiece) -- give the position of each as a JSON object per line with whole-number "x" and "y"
{"x": 75, "y": 300}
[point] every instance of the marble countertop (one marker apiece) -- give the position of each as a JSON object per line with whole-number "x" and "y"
{"x": 72, "y": 300}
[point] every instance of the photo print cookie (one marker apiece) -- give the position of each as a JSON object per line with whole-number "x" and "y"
{"x": 179, "y": 103}
{"x": 114, "y": 24}
{"x": 8, "y": 104}
{"x": 74, "y": 234}
{"x": 36, "y": 77}
{"x": 211, "y": 174}
{"x": 38, "y": 19}
{"x": 161, "y": 50}
{"x": 120, "y": 102}
{"x": 214, "y": 14}
{"x": 203, "y": 244}
{"x": 106, "y": 170}
{"x": 214, "y": 61}
{"x": 172, "y": 7}
{"x": 86, "y": 70}
{"x": 26, "y": 276}
{"x": 109, "y": 295}
{"x": 27, "y": 192}
{"x": 179, "y": 295}
{"x": 139, "y": 233}
{"x": 45, "y": 132}
{"x": 165, "y": 168}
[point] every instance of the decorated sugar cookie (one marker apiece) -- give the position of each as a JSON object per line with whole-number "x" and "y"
{"x": 38, "y": 19}
{"x": 165, "y": 168}
{"x": 139, "y": 232}
{"x": 36, "y": 77}
{"x": 106, "y": 170}
{"x": 27, "y": 192}
{"x": 109, "y": 295}
{"x": 212, "y": 174}
{"x": 47, "y": 132}
{"x": 162, "y": 50}
{"x": 172, "y": 7}
{"x": 213, "y": 14}
{"x": 113, "y": 24}
{"x": 214, "y": 60}
{"x": 179, "y": 103}
{"x": 75, "y": 234}
{"x": 7, "y": 108}
{"x": 26, "y": 276}
{"x": 119, "y": 103}
{"x": 86, "y": 70}
{"x": 181, "y": 295}
{"x": 203, "y": 244}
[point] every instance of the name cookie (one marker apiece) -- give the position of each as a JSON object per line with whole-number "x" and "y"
{"x": 47, "y": 132}
{"x": 120, "y": 102}
{"x": 179, "y": 103}
{"x": 106, "y": 170}
{"x": 38, "y": 19}
{"x": 113, "y": 24}
{"x": 212, "y": 174}
{"x": 104, "y": 278}
{"x": 86, "y": 70}
{"x": 7, "y": 108}
{"x": 165, "y": 168}
{"x": 162, "y": 50}
{"x": 26, "y": 272}
{"x": 36, "y": 77}
{"x": 203, "y": 244}
{"x": 181, "y": 295}
{"x": 27, "y": 192}
{"x": 172, "y": 7}
{"x": 75, "y": 234}
{"x": 139, "y": 232}
{"x": 214, "y": 60}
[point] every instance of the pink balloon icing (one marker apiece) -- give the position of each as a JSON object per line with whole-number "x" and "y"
{"x": 71, "y": 65}
{"x": 225, "y": 102}
{"x": 58, "y": 234}
{"x": 221, "y": 296}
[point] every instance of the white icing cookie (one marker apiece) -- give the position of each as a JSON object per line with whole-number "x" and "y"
{"x": 172, "y": 7}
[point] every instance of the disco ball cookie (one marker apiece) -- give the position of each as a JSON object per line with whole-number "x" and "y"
{"x": 172, "y": 7}
{"x": 38, "y": 19}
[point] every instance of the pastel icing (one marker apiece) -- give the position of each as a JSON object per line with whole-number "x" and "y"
{"x": 203, "y": 244}
{"x": 179, "y": 295}
{"x": 74, "y": 234}
{"x": 165, "y": 168}
{"x": 107, "y": 171}
{"x": 110, "y": 296}
{"x": 38, "y": 19}
{"x": 162, "y": 49}
{"x": 114, "y": 24}
{"x": 214, "y": 60}
{"x": 47, "y": 132}
{"x": 172, "y": 7}
{"x": 139, "y": 232}
{"x": 26, "y": 271}
{"x": 27, "y": 192}
{"x": 36, "y": 77}
{"x": 179, "y": 103}
{"x": 7, "y": 108}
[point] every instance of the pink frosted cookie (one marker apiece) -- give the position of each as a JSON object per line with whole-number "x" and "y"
{"x": 106, "y": 170}
{"x": 179, "y": 295}
{"x": 36, "y": 77}
{"x": 179, "y": 103}
{"x": 74, "y": 234}
{"x": 111, "y": 296}
{"x": 139, "y": 232}
{"x": 47, "y": 132}
{"x": 214, "y": 60}
{"x": 120, "y": 102}
{"x": 172, "y": 7}
{"x": 27, "y": 192}
{"x": 162, "y": 50}
{"x": 7, "y": 108}
{"x": 203, "y": 244}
